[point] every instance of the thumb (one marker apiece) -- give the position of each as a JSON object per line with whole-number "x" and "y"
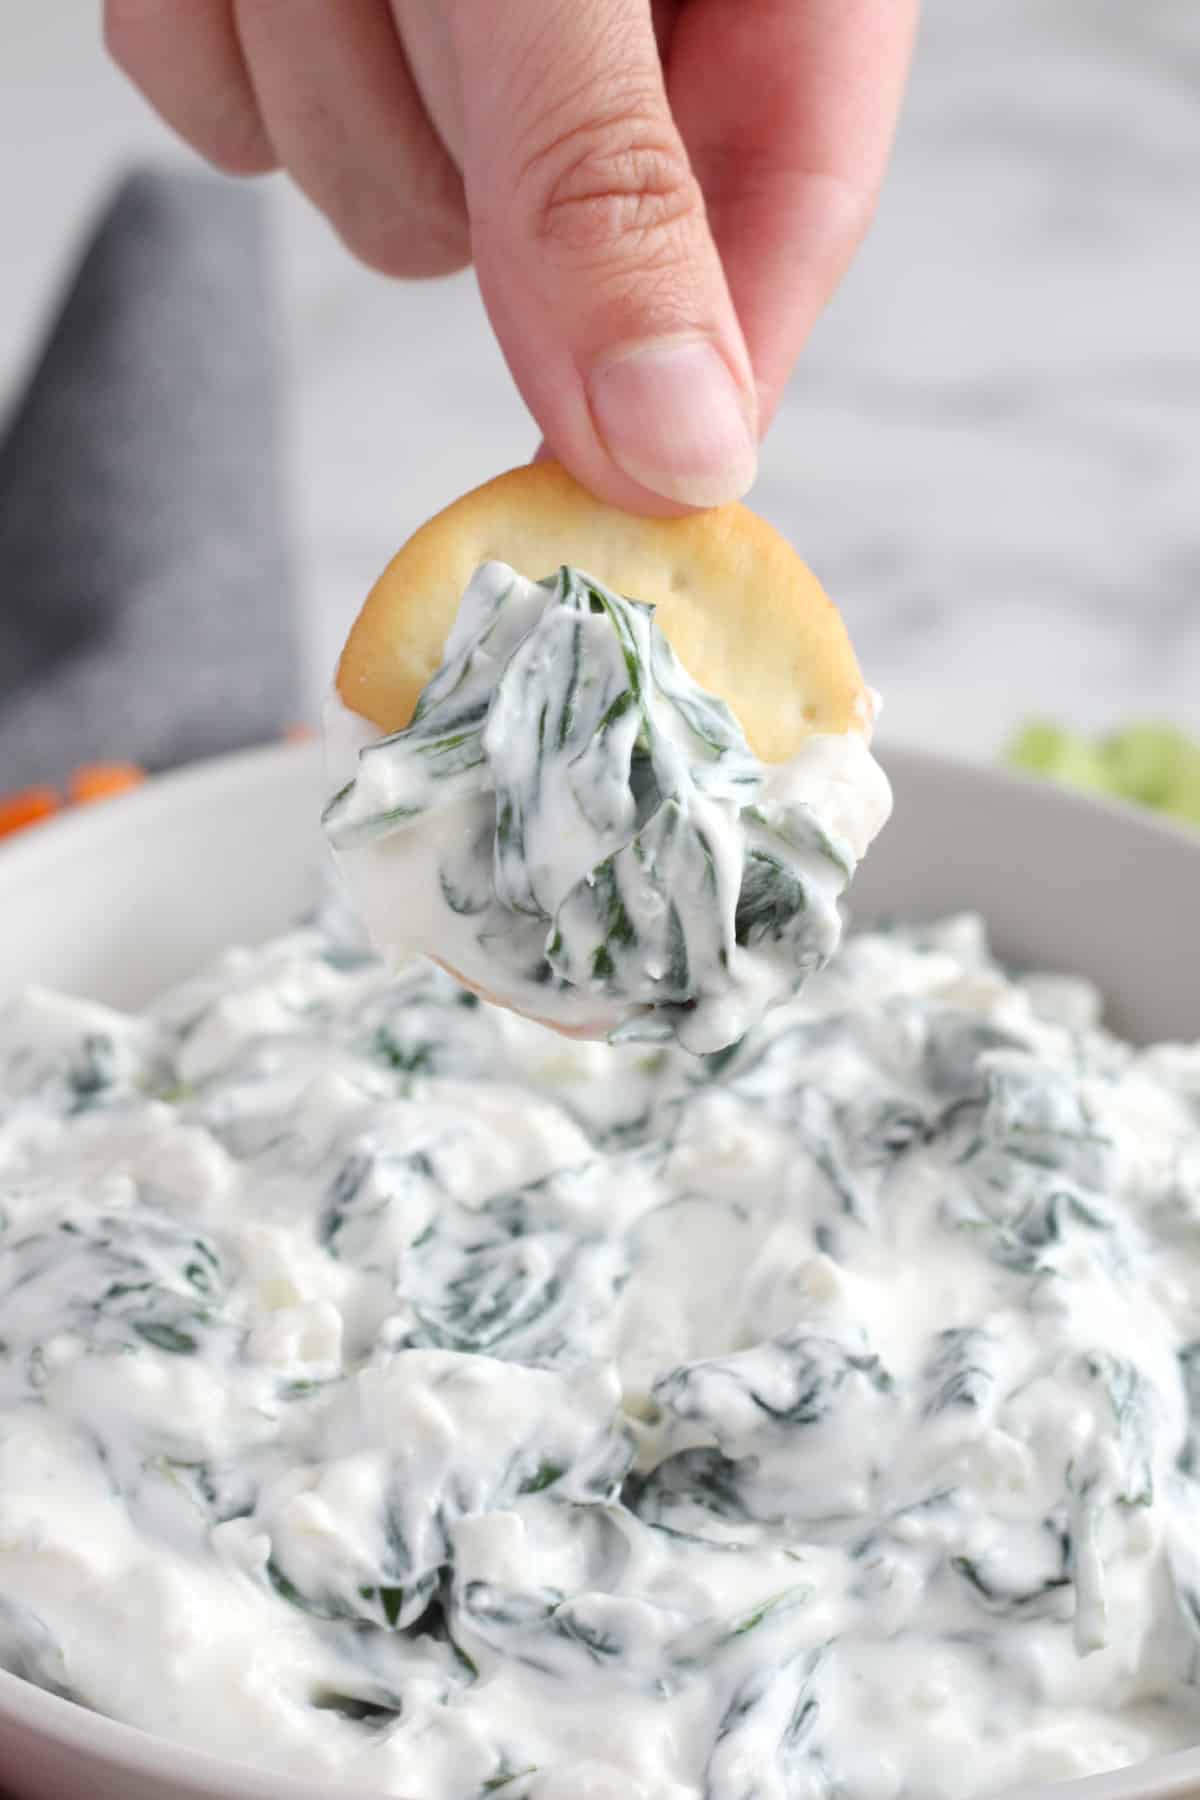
{"x": 594, "y": 254}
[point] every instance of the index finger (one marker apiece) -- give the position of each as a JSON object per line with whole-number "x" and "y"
{"x": 787, "y": 109}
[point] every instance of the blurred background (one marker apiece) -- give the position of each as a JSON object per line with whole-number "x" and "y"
{"x": 990, "y": 453}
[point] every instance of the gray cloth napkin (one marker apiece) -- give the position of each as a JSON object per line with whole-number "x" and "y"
{"x": 145, "y": 597}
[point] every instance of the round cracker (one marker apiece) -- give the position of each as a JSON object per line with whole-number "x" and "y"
{"x": 746, "y": 618}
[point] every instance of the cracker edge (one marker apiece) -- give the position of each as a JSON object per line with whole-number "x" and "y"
{"x": 383, "y": 667}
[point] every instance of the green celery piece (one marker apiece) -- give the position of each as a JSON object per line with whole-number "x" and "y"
{"x": 1158, "y": 766}
{"x": 1142, "y": 760}
{"x": 1183, "y": 794}
{"x": 1155, "y": 766}
{"x": 1064, "y": 756}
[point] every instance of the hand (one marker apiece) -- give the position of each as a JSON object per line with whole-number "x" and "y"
{"x": 659, "y": 199}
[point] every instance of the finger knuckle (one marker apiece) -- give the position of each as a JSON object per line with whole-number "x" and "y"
{"x": 597, "y": 188}
{"x": 242, "y": 151}
{"x": 417, "y": 244}
{"x": 231, "y": 135}
{"x": 415, "y": 226}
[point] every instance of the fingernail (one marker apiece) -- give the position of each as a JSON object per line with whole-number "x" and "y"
{"x": 672, "y": 416}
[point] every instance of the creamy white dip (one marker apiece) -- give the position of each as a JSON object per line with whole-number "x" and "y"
{"x": 395, "y": 1393}
{"x": 578, "y": 829}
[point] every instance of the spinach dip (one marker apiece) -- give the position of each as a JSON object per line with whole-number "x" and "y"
{"x": 395, "y": 1393}
{"x": 578, "y": 829}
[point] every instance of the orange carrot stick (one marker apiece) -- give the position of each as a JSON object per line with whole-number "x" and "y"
{"x": 27, "y": 807}
{"x": 100, "y": 781}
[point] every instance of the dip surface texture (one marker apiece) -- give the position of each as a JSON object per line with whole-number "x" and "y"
{"x": 394, "y": 1393}
{"x": 576, "y": 827}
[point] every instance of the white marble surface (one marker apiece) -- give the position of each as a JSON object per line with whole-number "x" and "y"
{"x": 991, "y": 452}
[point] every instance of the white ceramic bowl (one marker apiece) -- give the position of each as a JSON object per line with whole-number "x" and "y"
{"x": 116, "y": 902}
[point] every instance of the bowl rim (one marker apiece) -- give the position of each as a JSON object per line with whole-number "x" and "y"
{"x": 51, "y": 839}
{"x": 119, "y": 1746}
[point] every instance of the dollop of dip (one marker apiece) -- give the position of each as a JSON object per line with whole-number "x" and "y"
{"x": 577, "y": 829}
{"x": 399, "y": 1395}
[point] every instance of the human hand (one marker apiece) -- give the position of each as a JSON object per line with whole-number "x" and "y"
{"x": 658, "y": 198}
